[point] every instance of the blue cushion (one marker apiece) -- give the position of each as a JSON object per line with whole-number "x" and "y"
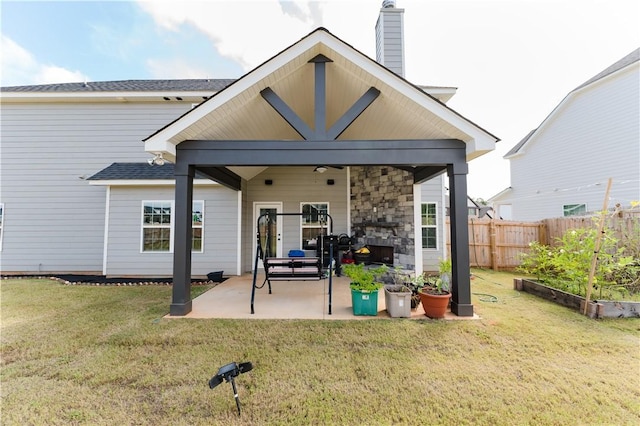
{"x": 296, "y": 253}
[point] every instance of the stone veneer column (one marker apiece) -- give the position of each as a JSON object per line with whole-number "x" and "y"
{"x": 388, "y": 191}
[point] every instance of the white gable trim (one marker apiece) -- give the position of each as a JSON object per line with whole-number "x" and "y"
{"x": 570, "y": 96}
{"x": 478, "y": 140}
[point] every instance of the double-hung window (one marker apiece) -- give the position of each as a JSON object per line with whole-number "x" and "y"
{"x": 429, "y": 223}
{"x": 157, "y": 226}
{"x": 313, "y": 223}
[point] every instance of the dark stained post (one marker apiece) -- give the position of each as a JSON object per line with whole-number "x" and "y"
{"x": 181, "y": 304}
{"x": 460, "y": 273}
{"x": 320, "y": 101}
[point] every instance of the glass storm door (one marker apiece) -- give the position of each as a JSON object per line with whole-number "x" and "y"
{"x": 270, "y": 229}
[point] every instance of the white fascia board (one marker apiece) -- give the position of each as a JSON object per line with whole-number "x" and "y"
{"x": 162, "y": 139}
{"x": 443, "y": 94}
{"x": 148, "y": 182}
{"x": 478, "y": 141}
{"x": 557, "y": 110}
{"x": 158, "y": 146}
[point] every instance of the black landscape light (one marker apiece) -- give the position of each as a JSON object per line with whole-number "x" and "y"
{"x": 228, "y": 373}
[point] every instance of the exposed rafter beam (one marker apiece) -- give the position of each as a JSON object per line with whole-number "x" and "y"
{"x": 287, "y": 113}
{"x": 223, "y": 176}
{"x": 320, "y": 103}
{"x": 352, "y": 113}
{"x": 422, "y": 174}
{"x": 337, "y": 153}
{"x": 320, "y": 132}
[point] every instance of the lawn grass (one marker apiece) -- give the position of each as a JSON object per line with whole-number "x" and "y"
{"x": 105, "y": 355}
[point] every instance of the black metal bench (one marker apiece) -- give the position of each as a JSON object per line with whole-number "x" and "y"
{"x": 292, "y": 269}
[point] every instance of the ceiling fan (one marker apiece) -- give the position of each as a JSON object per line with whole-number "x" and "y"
{"x": 322, "y": 169}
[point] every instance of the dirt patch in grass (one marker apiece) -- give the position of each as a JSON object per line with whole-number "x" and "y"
{"x": 104, "y": 355}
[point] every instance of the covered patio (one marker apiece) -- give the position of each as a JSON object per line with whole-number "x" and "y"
{"x": 320, "y": 102}
{"x": 289, "y": 300}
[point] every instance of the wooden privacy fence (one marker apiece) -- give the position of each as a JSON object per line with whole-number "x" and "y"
{"x": 498, "y": 244}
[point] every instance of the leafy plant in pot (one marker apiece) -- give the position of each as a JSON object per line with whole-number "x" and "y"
{"x": 435, "y": 294}
{"x": 364, "y": 287}
{"x": 411, "y": 281}
{"x": 397, "y": 296}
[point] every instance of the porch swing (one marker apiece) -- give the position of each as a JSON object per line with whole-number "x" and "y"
{"x": 290, "y": 268}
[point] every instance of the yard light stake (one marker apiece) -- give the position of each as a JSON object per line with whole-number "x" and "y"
{"x": 228, "y": 373}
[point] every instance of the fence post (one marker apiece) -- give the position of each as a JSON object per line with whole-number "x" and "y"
{"x": 493, "y": 246}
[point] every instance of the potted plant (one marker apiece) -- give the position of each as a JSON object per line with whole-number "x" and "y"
{"x": 415, "y": 285}
{"x": 435, "y": 294}
{"x": 397, "y": 296}
{"x": 364, "y": 287}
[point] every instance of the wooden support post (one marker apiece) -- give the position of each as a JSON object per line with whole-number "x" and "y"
{"x": 596, "y": 248}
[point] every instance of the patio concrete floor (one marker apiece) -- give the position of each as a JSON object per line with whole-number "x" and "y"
{"x": 289, "y": 300}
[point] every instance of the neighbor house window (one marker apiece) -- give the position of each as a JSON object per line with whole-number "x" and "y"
{"x": 1, "y": 223}
{"x": 574, "y": 209}
{"x": 157, "y": 226}
{"x": 429, "y": 222}
{"x": 314, "y": 222}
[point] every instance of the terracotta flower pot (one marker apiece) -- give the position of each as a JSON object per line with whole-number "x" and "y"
{"x": 435, "y": 305}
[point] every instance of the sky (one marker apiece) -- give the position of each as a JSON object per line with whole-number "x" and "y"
{"x": 513, "y": 61}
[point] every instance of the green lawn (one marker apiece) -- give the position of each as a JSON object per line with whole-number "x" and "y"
{"x": 104, "y": 355}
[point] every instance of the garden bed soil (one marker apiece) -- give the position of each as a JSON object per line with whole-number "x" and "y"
{"x": 596, "y": 308}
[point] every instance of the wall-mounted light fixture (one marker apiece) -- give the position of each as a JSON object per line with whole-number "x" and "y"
{"x": 156, "y": 160}
{"x": 320, "y": 169}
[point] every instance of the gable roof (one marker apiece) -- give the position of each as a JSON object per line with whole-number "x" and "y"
{"x": 629, "y": 59}
{"x": 402, "y": 111}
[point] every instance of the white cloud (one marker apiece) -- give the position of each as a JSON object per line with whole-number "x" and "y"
{"x": 266, "y": 27}
{"x": 176, "y": 69}
{"x": 20, "y": 67}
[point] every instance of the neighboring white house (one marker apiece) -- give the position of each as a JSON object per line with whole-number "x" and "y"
{"x": 78, "y": 194}
{"x": 562, "y": 167}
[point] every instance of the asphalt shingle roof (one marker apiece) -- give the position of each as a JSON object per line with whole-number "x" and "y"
{"x": 134, "y": 171}
{"x": 138, "y": 171}
{"x": 191, "y": 85}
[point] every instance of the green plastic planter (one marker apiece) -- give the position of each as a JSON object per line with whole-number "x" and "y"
{"x": 364, "y": 302}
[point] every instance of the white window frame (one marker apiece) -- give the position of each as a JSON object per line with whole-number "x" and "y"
{"x": 170, "y": 226}
{"x": 574, "y": 206}
{"x": 434, "y": 226}
{"x": 302, "y": 224}
{"x": 163, "y": 226}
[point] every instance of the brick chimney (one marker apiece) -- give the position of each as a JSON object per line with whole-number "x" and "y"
{"x": 390, "y": 37}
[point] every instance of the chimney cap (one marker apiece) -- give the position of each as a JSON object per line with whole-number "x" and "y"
{"x": 388, "y": 3}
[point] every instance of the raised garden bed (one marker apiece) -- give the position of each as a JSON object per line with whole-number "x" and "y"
{"x": 596, "y": 308}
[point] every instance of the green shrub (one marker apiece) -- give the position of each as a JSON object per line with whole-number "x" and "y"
{"x": 567, "y": 265}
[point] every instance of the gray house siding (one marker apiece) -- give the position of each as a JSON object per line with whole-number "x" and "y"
{"x": 53, "y": 219}
{"x": 594, "y": 135}
{"x": 390, "y": 39}
{"x": 291, "y": 186}
{"x": 125, "y": 257}
{"x": 432, "y": 192}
